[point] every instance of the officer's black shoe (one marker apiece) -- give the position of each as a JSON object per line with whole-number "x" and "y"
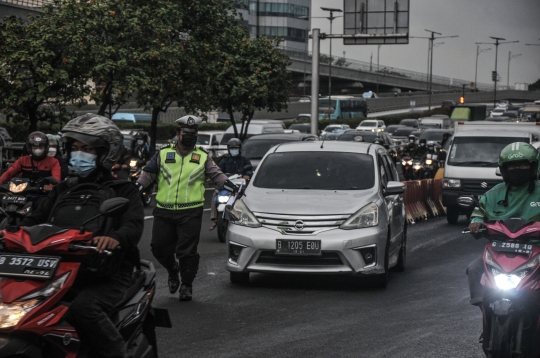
{"x": 186, "y": 293}
{"x": 174, "y": 279}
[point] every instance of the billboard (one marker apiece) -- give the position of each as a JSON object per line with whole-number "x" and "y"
{"x": 376, "y": 22}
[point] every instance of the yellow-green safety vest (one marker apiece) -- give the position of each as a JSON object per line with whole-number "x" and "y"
{"x": 181, "y": 179}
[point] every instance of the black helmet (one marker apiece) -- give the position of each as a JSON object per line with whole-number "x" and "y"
{"x": 234, "y": 143}
{"x": 141, "y": 135}
{"x": 38, "y": 139}
{"x": 422, "y": 141}
{"x": 99, "y": 132}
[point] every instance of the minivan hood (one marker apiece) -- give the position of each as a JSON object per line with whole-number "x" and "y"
{"x": 307, "y": 202}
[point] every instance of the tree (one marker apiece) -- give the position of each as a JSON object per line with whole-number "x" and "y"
{"x": 40, "y": 72}
{"x": 253, "y": 75}
{"x": 535, "y": 86}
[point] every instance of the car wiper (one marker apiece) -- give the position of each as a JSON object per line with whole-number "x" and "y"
{"x": 479, "y": 163}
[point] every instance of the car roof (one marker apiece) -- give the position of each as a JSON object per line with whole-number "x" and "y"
{"x": 494, "y": 133}
{"x": 396, "y": 126}
{"x": 210, "y": 132}
{"x": 438, "y": 131}
{"x": 284, "y": 136}
{"x": 327, "y": 146}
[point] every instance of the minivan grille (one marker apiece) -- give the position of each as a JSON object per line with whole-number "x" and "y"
{"x": 328, "y": 258}
{"x": 301, "y": 225}
{"x": 478, "y": 186}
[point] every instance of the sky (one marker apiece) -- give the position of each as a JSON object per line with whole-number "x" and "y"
{"x": 472, "y": 20}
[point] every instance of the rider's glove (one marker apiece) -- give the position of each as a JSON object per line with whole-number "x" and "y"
{"x": 230, "y": 186}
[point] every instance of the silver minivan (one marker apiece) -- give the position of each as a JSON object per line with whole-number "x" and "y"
{"x": 335, "y": 208}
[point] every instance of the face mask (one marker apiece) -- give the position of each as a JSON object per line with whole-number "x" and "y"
{"x": 518, "y": 177}
{"x": 411, "y": 140}
{"x": 52, "y": 152}
{"x": 422, "y": 144}
{"x": 140, "y": 141}
{"x": 188, "y": 140}
{"x": 430, "y": 148}
{"x": 234, "y": 152}
{"x": 38, "y": 152}
{"x": 83, "y": 163}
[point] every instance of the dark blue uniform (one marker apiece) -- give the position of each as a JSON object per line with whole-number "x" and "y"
{"x": 235, "y": 165}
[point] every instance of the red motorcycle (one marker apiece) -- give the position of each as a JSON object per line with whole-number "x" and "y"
{"x": 511, "y": 282}
{"x": 38, "y": 266}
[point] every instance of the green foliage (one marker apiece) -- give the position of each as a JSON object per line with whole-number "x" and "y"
{"x": 535, "y": 86}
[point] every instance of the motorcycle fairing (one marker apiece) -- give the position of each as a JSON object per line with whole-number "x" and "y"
{"x": 38, "y": 233}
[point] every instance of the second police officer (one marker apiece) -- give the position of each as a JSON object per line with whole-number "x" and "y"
{"x": 180, "y": 169}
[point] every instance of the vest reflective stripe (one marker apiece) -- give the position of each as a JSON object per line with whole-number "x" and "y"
{"x": 181, "y": 184}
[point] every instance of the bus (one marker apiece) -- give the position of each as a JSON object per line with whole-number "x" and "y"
{"x": 342, "y": 107}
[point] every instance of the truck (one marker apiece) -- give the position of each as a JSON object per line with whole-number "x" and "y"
{"x": 469, "y": 112}
{"x": 472, "y": 159}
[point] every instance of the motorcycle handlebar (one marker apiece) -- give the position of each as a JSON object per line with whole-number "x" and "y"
{"x": 92, "y": 248}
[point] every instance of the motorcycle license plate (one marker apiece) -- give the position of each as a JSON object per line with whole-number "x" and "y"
{"x": 28, "y": 266}
{"x": 298, "y": 247}
{"x": 512, "y": 247}
{"x": 13, "y": 199}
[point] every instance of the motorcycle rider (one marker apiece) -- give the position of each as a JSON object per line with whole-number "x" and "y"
{"x": 421, "y": 149}
{"x": 55, "y": 153}
{"x": 142, "y": 148}
{"x": 93, "y": 145}
{"x": 445, "y": 137}
{"x": 180, "y": 168}
{"x": 518, "y": 163}
{"x": 38, "y": 161}
{"x": 233, "y": 163}
{"x": 411, "y": 145}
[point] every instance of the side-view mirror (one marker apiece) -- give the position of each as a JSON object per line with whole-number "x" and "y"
{"x": 498, "y": 172}
{"x": 114, "y": 207}
{"x": 394, "y": 188}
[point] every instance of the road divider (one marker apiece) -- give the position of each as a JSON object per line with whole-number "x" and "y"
{"x": 422, "y": 199}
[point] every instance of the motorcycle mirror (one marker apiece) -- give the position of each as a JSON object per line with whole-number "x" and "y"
{"x": 113, "y": 207}
{"x": 51, "y": 180}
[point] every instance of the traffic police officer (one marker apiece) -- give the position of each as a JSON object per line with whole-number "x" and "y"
{"x": 180, "y": 169}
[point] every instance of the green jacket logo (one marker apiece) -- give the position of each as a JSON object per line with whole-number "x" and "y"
{"x": 535, "y": 204}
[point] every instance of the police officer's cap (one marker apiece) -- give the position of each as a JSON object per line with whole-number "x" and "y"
{"x": 189, "y": 123}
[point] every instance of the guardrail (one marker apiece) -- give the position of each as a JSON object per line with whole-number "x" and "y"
{"x": 29, "y": 3}
{"x": 422, "y": 199}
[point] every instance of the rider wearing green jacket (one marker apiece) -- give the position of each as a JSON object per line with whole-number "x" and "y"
{"x": 517, "y": 197}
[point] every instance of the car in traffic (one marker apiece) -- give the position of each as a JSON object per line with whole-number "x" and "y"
{"x": 409, "y": 122}
{"x": 210, "y": 140}
{"x": 256, "y": 147}
{"x": 301, "y": 127}
{"x": 304, "y": 99}
{"x": 435, "y": 135}
{"x": 334, "y": 209}
{"x": 499, "y": 119}
{"x": 495, "y": 112}
{"x": 369, "y": 137}
{"x": 332, "y": 127}
{"x": 256, "y": 127}
{"x": 371, "y": 125}
{"x": 393, "y": 127}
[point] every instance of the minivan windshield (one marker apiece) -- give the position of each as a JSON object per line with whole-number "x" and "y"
{"x": 430, "y": 126}
{"x": 479, "y": 151}
{"x": 368, "y": 124}
{"x": 316, "y": 170}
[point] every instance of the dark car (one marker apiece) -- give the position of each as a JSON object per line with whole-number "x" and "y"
{"x": 301, "y": 127}
{"x": 435, "y": 135}
{"x": 403, "y": 133}
{"x": 394, "y": 127}
{"x": 511, "y": 114}
{"x": 255, "y": 148}
{"x": 448, "y": 103}
{"x": 410, "y": 122}
{"x": 369, "y": 137}
{"x": 500, "y": 119}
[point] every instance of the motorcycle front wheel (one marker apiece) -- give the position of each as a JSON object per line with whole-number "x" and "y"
{"x": 501, "y": 337}
{"x": 222, "y": 226}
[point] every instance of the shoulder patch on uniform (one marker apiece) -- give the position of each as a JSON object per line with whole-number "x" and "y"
{"x": 203, "y": 149}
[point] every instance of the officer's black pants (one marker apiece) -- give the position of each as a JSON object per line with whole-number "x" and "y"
{"x": 88, "y": 313}
{"x": 177, "y": 232}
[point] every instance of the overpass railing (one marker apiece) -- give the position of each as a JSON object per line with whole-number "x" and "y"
{"x": 384, "y": 70}
{"x": 29, "y": 3}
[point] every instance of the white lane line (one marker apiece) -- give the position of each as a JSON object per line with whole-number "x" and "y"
{"x": 151, "y": 217}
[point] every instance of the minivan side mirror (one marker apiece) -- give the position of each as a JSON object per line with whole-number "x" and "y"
{"x": 394, "y": 188}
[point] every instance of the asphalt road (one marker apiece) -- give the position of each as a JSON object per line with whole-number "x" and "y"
{"x": 424, "y": 312}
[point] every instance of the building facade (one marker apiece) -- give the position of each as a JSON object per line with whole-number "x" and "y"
{"x": 288, "y": 19}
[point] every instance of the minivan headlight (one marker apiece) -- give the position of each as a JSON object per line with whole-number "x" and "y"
{"x": 368, "y": 216}
{"x": 451, "y": 183}
{"x": 246, "y": 216}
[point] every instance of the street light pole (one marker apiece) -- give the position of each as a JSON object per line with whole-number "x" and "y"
{"x": 378, "y": 70}
{"x": 331, "y": 18}
{"x": 315, "y": 42}
{"x": 508, "y": 73}
{"x": 497, "y": 43}
{"x": 478, "y": 52}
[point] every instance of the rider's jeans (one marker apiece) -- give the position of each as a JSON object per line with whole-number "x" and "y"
{"x": 475, "y": 272}
{"x": 88, "y": 313}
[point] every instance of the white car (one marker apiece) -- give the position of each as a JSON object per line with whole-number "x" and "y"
{"x": 331, "y": 127}
{"x": 371, "y": 125}
{"x": 496, "y": 112}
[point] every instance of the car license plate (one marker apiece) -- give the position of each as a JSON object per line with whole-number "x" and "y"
{"x": 512, "y": 247}
{"x": 13, "y": 199}
{"x": 298, "y": 247}
{"x": 28, "y": 266}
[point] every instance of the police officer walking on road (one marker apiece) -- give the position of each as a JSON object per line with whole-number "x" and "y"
{"x": 180, "y": 169}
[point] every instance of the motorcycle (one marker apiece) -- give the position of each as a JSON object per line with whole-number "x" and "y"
{"x": 221, "y": 199}
{"x": 38, "y": 266}
{"x": 429, "y": 166}
{"x": 406, "y": 165}
{"x": 135, "y": 171}
{"x": 417, "y": 168}
{"x": 18, "y": 196}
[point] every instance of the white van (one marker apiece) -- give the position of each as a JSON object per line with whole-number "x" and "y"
{"x": 435, "y": 123}
{"x": 256, "y": 127}
{"x": 472, "y": 159}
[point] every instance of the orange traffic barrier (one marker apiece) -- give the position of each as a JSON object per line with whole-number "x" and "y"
{"x": 422, "y": 199}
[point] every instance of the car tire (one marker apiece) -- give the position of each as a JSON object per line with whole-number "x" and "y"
{"x": 239, "y": 278}
{"x": 381, "y": 280}
{"x": 402, "y": 258}
{"x": 452, "y": 214}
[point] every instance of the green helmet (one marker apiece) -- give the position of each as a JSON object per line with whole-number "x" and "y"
{"x": 519, "y": 152}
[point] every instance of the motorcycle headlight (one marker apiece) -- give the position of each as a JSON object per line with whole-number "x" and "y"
{"x": 17, "y": 188}
{"x": 12, "y": 313}
{"x": 403, "y": 162}
{"x": 368, "y": 216}
{"x": 222, "y": 199}
{"x": 506, "y": 281}
{"x": 417, "y": 166}
{"x": 429, "y": 161}
{"x": 246, "y": 216}
{"x": 409, "y": 162}
{"x": 133, "y": 163}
